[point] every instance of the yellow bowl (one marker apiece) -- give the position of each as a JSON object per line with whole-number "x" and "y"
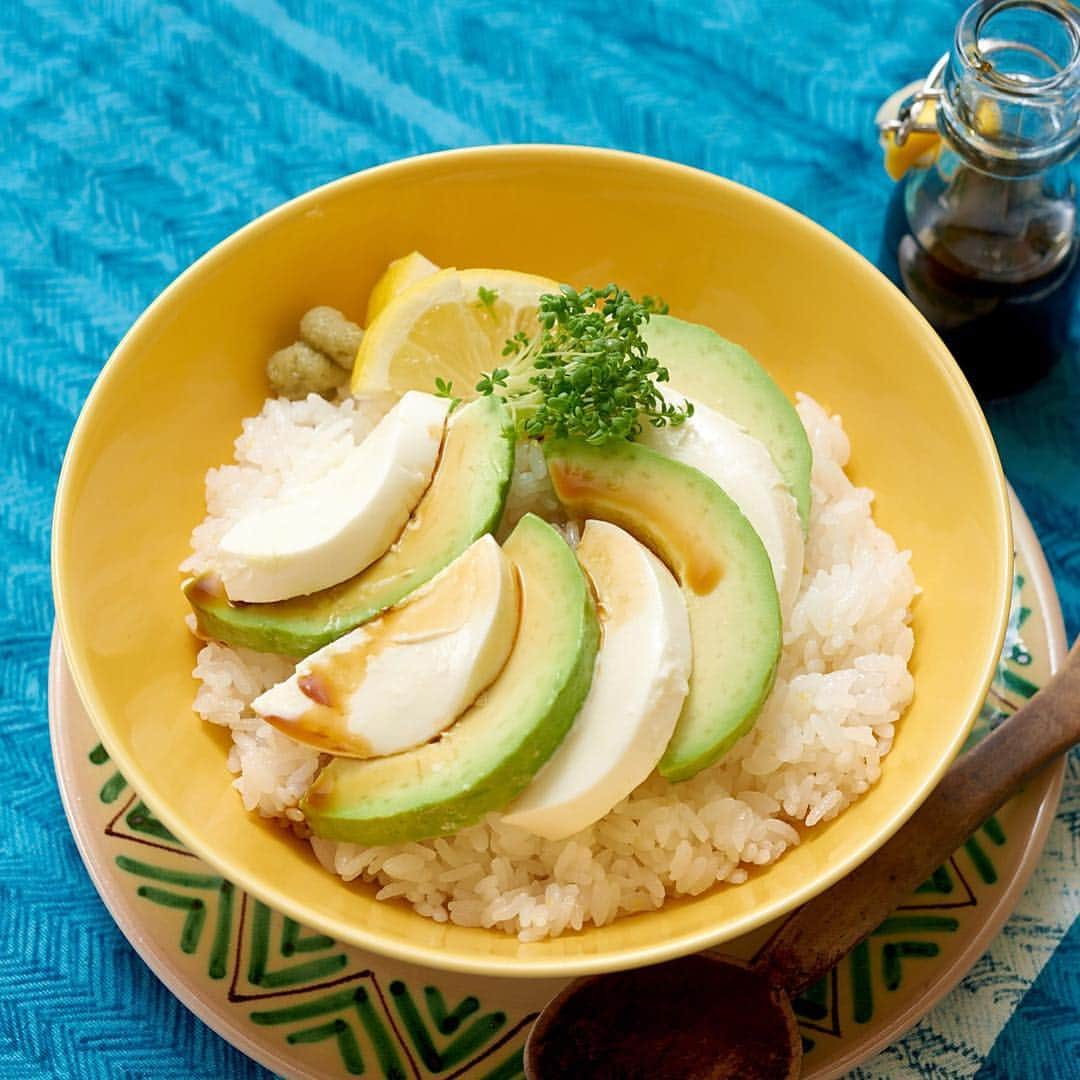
{"x": 168, "y": 406}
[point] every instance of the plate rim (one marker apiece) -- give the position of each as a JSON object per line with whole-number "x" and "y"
{"x": 1053, "y": 779}
{"x": 158, "y": 959}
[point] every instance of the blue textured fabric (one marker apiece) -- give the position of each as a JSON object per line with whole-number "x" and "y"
{"x": 1043, "y": 1037}
{"x": 133, "y": 136}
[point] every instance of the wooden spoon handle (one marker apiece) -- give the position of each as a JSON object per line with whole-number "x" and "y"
{"x": 829, "y": 926}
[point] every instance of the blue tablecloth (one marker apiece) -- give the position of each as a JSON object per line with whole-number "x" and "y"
{"x": 135, "y": 135}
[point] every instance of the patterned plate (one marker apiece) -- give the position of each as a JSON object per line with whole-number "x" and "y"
{"x": 305, "y": 1006}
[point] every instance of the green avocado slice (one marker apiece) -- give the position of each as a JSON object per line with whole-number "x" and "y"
{"x": 464, "y": 501}
{"x": 721, "y": 566}
{"x": 724, "y": 376}
{"x": 496, "y": 747}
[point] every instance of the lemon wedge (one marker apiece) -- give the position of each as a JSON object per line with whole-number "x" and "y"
{"x": 920, "y": 148}
{"x": 988, "y": 118}
{"x": 396, "y": 278}
{"x": 449, "y": 325}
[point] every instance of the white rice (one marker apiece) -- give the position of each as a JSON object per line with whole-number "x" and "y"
{"x": 816, "y": 747}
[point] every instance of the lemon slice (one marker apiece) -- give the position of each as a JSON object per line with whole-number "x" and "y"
{"x": 449, "y": 325}
{"x": 396, "y": 278}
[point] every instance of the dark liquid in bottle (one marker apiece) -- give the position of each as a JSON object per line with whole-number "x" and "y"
{"x": 1004, "y": 335}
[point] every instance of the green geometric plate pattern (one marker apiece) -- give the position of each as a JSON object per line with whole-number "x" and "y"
{"x": 308, "y": 1007}
{"x": 302, "y": 985}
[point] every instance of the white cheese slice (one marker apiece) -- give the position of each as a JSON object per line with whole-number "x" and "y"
{"x": 638, "y": 688}
{"x": 725, "y": 452}
{"x": 400, "y": 680}
{"x": 343, "y": 522}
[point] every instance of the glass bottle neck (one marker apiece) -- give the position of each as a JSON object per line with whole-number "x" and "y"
{"x": 1011, "y": 106}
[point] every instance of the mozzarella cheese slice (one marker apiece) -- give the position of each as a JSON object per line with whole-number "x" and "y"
{"x": 725, "y": 452}
{"x": 343, "y": 522}
{"x": 638, "y": 688}
{"x": 398, "y": 681}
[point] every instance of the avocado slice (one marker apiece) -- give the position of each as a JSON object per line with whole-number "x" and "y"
{"x": 723, "y": 375}
{"x": 464, "y": 501}
{"x": 496, "y": 747}
{"x": 721, "y": 566}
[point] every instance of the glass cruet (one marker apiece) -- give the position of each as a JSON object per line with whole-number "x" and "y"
{"x": 982, "y": 230}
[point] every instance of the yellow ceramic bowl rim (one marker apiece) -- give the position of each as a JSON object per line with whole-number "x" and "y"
{"x": 352, "y": 933}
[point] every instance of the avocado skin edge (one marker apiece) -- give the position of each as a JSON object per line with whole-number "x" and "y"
{"x": 625, "y": 483}
{"x": 689, "y": 768}
{"x": 294, "y": 628}
{"x": 745, "y": 384}
{"x": 497, "y": 787}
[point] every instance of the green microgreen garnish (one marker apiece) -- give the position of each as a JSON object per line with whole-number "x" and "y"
{"x": 587, "y": 373}
{"x": 445, "y": 388}
{"x": 487, "y": 297}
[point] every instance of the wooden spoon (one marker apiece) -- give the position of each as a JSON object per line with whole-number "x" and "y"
{"x": 708, "y": 1016}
